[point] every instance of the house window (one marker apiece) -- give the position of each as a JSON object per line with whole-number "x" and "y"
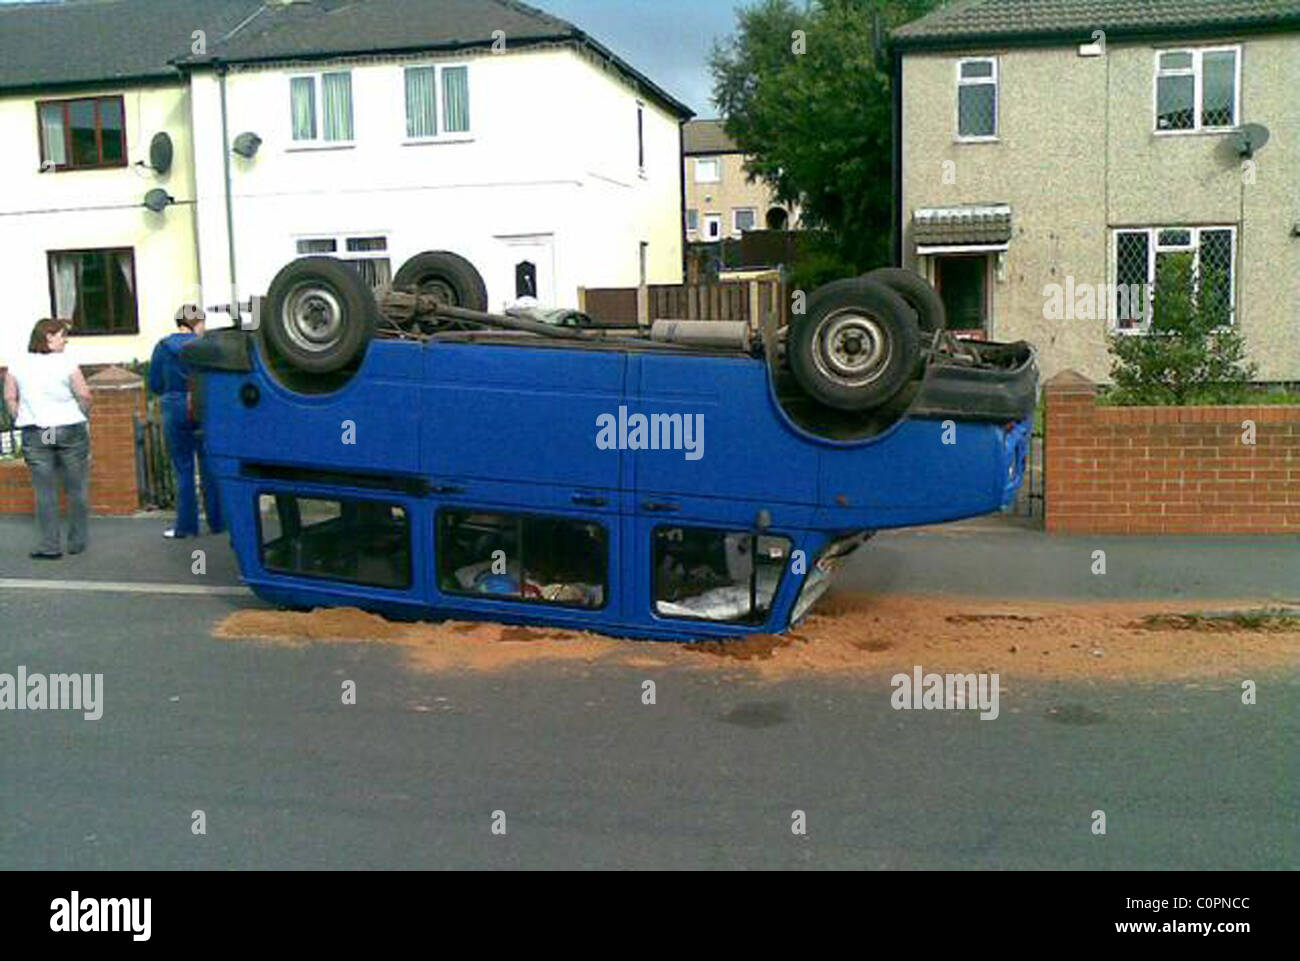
{"x": 353, "y": 541}
{"x": 742, "y": 219}
{"x": 95, "y": 289}
{"x": 423, "y": 120}
{"x": 977, "y": 99}
{"x": 321, "y": 105}
{"x": 512, "y": 557}
{"x": 708, "y": 170}
{"x": 369, "y": 254}
{"x": 80, "y": 134}
{"x": 1197, "y": 89}
{"x": 713, "y": 226}
{"x": 692, "y": 221}
{"x": 1142, "y": 255}
{"x": 717, "y": 575}
{"x": 640, "y": 137}
{"x": 455, "y": 99}
{"x": 962, "y": 283}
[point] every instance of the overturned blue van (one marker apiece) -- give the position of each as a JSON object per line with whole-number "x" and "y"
{"x": 417, "y": 456}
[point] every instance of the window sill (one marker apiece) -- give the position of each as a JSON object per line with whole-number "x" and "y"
{"x": 993, "y": 139}
{"x": 432, "y": 141}
{"x": 309, "y": 147}
{"x": 1200, "y": 132}
{"x": 80, "y": 168}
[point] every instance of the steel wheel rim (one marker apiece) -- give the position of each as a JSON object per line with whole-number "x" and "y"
{"x": 852, "y": 348}
{"x": 312, "y": 317}
{"x": 440, "y": 290}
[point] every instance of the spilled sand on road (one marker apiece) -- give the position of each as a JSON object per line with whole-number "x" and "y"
{"x": 853, "y": 634}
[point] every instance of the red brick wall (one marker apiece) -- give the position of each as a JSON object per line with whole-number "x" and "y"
{"x": 1167, "y": 470}
{"x": 119, "y": 396}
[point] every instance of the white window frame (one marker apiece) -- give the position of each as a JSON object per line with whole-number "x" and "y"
{"x": 442, "y": 136}
{"x": 716, "y": 161}
{"x": 996, "y": 82}
{"x": 1195, "y": 70}
{"x": 705, "y": 219}
{"x": 735, "y": 219}
{"x": 689, "y": 228}
{"x": 318, "y": 97}
{"x": 1153, "y": 248}
{"x": 341, "y": 251}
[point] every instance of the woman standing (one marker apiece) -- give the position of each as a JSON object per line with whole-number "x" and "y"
{"x": 49, "y": 399}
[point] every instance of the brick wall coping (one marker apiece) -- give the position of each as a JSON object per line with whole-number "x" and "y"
{"x": 115, "y": 378}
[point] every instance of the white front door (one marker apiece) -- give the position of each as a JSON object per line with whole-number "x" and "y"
{"x": 712, "y": 227}
{"x": 528, "y": 268}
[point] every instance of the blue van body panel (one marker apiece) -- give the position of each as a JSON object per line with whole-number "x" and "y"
{"x": 445, "y": 426}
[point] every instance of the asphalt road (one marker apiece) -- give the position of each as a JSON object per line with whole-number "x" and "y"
{"x": 587, "y": 776}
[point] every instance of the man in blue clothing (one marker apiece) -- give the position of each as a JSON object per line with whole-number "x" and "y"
{"x": 170, "y": 378}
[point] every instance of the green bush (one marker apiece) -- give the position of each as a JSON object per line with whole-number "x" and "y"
{"x": 1190, "y": 354}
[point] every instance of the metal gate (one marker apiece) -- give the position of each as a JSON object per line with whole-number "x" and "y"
{"x": 1030, "y": 500}
{"x": 152, "y": 463}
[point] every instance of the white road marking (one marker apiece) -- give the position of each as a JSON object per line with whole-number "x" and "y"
{"x": 120, "y": 587}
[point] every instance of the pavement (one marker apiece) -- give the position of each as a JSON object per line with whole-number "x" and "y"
{"x": 586, "y": 775}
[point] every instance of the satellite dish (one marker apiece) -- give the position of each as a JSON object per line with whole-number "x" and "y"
{"x": 246, "y": 145}
{"x": 160, "y": 153}
{"x": 158, "y": 200}
{"x": 1249, "y": 138}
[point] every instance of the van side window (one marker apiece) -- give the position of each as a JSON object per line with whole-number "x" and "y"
{"x": 717, "y": 575}
{"x": 354, "y": 541}
{"x": 514, "y": 557}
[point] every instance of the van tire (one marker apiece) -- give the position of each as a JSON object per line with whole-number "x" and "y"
{"x": 319, "y": 315}
{"x": 445, "y": 275}
{"x": 856, "y": 347}
{"x": 917, "y": 292}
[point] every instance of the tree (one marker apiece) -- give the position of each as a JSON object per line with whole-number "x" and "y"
{"x": 807, "y": 95}
{"x": 1190, "y": 353}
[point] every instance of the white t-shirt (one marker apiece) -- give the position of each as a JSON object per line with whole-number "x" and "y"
{"x": 45, "y": 397}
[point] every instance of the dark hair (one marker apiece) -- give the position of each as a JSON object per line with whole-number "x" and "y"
{"x": 42, "y": 332}
{"x": 189, "y": 315}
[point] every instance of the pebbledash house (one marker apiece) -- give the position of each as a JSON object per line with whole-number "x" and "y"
{"x": 1052, "y": 152}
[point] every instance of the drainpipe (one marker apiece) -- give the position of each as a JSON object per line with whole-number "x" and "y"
{"x": 681, "y": 174}
{"x": 896, "y": 178}
{"x": 222, "y": 69}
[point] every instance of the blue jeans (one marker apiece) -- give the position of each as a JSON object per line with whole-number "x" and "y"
{"x": 184, "y": 443}
{"x": 48, "y": 452}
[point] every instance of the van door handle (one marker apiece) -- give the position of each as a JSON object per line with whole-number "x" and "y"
{"x": 589, "y": 500}
{"x": 448, "y": 489}
{"x": 661, "y": 507}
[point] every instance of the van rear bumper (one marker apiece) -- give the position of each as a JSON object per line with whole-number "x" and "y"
{"x": 979, "y": 381}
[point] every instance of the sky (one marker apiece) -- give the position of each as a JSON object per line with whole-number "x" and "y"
{"x": 667, "y": 40}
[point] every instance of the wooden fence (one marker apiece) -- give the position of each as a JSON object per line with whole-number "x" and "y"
{"x": 748, "y": 300}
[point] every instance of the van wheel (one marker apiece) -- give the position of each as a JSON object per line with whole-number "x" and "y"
{"x": 917, "y": 292}
{"x": 319, "y": 315}
{"x": 450, "y": 278}
{"x": 856, "y": 347}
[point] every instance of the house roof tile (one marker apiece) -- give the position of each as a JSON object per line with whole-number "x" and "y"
{"x": 1047, "y": 19}
{"x": 965, "y": 224}
{"x": 47, "y": 44}
{"x": 706, "y": 137}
